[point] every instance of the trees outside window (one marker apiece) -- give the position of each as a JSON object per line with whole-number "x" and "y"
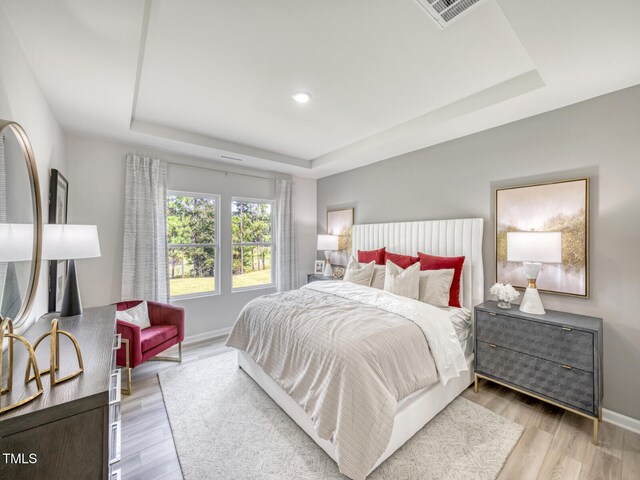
{"x": 252, "y": 247}
{"x": 192, "y": 237}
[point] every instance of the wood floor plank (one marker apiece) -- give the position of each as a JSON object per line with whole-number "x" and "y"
{"x": 599, "y": 465}
{"x": 631, "y": 455}
{"x": 557, "y": 466}
{"x": 527, "y": 457}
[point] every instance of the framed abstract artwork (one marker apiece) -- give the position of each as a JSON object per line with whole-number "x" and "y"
{"x": 58, "y": 204}
{"x": 339, "y": 222}
{"x": 547, "y": 207}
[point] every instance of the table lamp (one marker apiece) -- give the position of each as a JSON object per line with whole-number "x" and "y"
{"x": 70, "y": 242}
{"x": 533, "y": 249}
{"x": 328, "y": 243}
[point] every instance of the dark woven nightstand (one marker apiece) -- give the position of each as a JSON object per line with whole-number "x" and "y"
{"x": 556, "y": 357}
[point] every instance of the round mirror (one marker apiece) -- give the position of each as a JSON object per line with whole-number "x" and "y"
{"x": 20, "y": 223}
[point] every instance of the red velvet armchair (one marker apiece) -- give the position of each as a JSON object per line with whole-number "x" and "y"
{"x": 166, "y": 330}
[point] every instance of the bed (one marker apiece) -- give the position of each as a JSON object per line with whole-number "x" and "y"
{"x": 444, "y": 375}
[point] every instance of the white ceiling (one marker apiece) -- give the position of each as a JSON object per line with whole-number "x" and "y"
{"x": 212, "y": 78}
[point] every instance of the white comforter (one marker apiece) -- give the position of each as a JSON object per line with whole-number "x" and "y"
{"x": 347, "y": 354}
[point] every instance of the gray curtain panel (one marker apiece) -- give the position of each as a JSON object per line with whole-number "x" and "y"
{"x": 144, "y": 262}
{"x": 285, "y": 238}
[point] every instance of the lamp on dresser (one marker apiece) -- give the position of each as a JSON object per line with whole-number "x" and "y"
{"x": 533, "y": 249}
{"x": 70, "y": 242}
{"x": 328, "y": 243}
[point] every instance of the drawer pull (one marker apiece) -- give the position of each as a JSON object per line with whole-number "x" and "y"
{"x": 493, "y": 314}
{"x": 492, "y": 345}
{"x": 116, "y": 440}
{"x": 567, "y": 329}
{"x": 567, "y": 367}
{"x": 115, "y": 385}
{"x": 115, "y": 475}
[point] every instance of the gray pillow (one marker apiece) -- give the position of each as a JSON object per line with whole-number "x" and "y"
{"x": 435, "y": 286}
{"x": 359, "y": 273}
{"x": 404, "y": 282}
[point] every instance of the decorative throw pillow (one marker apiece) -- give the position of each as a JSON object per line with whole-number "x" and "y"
{"x": 433, "y": 262}
{"x": 377, "y": 281}
{"x": 366, "y": 256}
{"x": 435, "y": 286}
{"x": 358, "y": 273}
{"x": 404, "y": 261}
{"x": 404, "y": 282}
{"x": 138, "y": 315}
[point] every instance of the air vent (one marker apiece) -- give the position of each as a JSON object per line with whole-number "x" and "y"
{"x": 446, "y": 11}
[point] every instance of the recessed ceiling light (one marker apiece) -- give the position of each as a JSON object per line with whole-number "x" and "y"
{"x": 302, "y": 97}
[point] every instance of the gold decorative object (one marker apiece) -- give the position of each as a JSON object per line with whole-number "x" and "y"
{"x": 6, "y": 331}
{"x": 54, "y": 356}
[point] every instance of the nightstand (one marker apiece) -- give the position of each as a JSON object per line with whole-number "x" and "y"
{"x": 556, "y": 357}
{"x": 317, "y": 277}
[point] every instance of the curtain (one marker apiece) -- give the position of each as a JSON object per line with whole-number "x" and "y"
{"x": 144, "y": 262}
{"x": 284, "y": 235}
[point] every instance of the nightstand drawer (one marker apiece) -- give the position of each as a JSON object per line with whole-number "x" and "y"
{"x": 556, "y": 343}
{"x": 570, "y": 386}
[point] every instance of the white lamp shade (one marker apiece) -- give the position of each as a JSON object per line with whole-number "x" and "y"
{"x": 540, "y": 247}
{"x": 328, "y": 242}
{"x": 67, "y": 242}
{"x": 16, "y": 242}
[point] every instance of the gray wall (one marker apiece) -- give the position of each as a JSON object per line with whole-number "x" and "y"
{"x": 22, "y": 100}
{"x": 599, "y": 138}
{"x": 96, "y": 175}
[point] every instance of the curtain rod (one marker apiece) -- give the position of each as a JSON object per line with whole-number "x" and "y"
{"x": 226, "y": 172}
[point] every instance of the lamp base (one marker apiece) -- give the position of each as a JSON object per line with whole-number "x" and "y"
{"x": 531, "y": 302}
{"x": 71, "y": 304}
{"x": 328, "y": 271}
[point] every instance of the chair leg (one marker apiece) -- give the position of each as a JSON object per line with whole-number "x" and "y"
{"x": 125, "y": 342}
{"x": 170, "y": 359}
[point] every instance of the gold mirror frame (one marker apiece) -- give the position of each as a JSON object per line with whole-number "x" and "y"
{"x": 32, "y": 168}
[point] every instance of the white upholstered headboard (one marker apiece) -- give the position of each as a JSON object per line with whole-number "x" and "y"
{"x": 447, "y": 238}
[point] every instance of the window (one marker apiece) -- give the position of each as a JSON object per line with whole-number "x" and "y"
{"x": 252, "y": 246}
{"x": 192, "y": 237}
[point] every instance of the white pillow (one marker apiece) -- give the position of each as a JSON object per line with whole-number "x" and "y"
{"x": 404, "y": 282}
{"x": 435, "y": 286}
{"x": 359, "y": 273}
{"x": 138, "y": 315}
{"x": 377, "y": 281}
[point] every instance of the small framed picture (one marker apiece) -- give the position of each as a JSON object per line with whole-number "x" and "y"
{"x": 319, "y": 267}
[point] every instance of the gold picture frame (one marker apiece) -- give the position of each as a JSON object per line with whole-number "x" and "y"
{"x": 561, "y": 205}
{"x": 340, "y": 222}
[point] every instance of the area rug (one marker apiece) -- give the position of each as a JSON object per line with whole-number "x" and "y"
{"x": 225, "y": 427}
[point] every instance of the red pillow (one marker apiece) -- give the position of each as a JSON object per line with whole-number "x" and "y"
{"x": 403, "y": 261}
{"x": 366, "y": 256}
{"x": 432, "y": 262}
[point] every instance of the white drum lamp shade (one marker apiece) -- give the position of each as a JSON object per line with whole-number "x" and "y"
{"x": 533, "y": 249}
{"x": 70, "y": 242}
{"x": 328, "y": 243}
{"x": 16, "y": 242}
{"x": 542, "y": 247}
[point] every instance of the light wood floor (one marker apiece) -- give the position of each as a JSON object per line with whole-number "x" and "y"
{"x": 555, "y": 445}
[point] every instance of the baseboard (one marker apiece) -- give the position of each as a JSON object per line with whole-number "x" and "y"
{"x": 621, "y": 421}
{"x": 201, "y": 337}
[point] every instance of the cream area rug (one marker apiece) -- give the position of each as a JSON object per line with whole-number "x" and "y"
{"x": 226, "y": 427}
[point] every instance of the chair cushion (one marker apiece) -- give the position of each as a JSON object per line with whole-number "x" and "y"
{"x": 155, "y": 335}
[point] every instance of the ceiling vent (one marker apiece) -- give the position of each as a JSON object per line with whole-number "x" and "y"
{"x": 446, "y": 11}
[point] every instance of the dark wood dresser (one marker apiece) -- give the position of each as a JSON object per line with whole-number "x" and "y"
{"x": 556, "y": 357}
{"x": 71, "y": 431}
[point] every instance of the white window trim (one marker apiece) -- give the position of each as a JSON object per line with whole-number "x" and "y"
{"x": 216, "y": 245}
{"x": 272, "y": 245}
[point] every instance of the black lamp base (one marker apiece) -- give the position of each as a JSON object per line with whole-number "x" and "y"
{"x": 71, "y": 304}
